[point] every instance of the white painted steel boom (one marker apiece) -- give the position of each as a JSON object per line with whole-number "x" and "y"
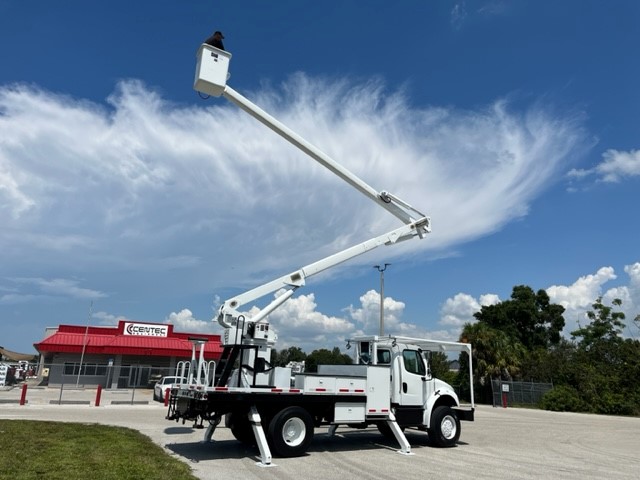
{"x": 211, "y": 77}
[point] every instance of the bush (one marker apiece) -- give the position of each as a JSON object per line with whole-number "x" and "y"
{"x": 562, "y": 399}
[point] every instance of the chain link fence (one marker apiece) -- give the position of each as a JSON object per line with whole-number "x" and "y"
{"x": 518, "y": 393}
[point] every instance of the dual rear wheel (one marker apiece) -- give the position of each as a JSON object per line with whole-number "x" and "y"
{"x": 289, "y": 432}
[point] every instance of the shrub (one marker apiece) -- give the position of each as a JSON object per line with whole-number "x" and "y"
{"x": 562, "y": 399}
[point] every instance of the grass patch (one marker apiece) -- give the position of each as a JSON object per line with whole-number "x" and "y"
{"x": 52, "y": 451}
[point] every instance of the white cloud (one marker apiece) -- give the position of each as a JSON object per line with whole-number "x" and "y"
{"x": 368, "y": 315}
{"x": 616, "y": 166}
{"x": 583, "y": 291}
{"x": 298, "y": 323}
{"x": 576, "y": 298}
{"x": 459, "y": 309}
{"x": 184, "y": 321}
{"x": 105, "y": 318}
{"x": 144, "y": 192}
{"x": 458, "y": 14}
{"x": 579, "y": 297}
{"x": 145, "y": 185}
{"x": 619, "y": 164}
{"x": 55, "y": 287}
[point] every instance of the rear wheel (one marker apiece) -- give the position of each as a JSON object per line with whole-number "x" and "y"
{"x": 444, "y": 430}
{"x": 240, "y": 427}
{"x": 291, "y": 432}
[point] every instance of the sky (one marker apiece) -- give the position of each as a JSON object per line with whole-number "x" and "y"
{"x": 124, "y": 195}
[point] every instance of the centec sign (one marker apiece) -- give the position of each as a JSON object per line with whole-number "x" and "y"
{"x": 146, "y": 330}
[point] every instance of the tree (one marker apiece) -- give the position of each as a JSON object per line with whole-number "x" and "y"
{"x": 326, "y": 357}
{"x": 529, "y": 318}
{"x": 283, "y": 357}
{"x": 605, "y": 367}
{"x": 495, "y": 356}
{"x": 439, "y": 364}
{"x": 606, "y": 325}
{"x": 550, "y": 365}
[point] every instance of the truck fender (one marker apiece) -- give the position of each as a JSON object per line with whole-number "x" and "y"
{"x": 443, "y": 395}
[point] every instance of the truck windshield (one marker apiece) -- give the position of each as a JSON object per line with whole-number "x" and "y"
{"x": 413, "y": 362}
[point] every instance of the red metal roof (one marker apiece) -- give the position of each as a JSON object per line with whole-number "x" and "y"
{"x": 111, "y": 341}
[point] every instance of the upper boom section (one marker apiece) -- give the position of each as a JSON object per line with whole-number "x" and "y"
{"x": 212, "y": 73}
{"x": 211, "y": 78}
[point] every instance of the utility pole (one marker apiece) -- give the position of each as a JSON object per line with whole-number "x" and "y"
{"x": 381, "y": 269}
{"x": 84, "y": 343}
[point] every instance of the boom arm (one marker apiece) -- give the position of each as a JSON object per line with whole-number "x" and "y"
{"x": 294, "y": 280}
{"x": 211, "y": 77}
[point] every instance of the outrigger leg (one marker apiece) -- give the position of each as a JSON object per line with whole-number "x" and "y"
{"x": 213, "y": 423}
{"x": 405, "y": 447}
{"x": 261, "y": 439}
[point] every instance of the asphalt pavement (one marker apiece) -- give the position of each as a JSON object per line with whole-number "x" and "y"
{"x": 503, "y": 443}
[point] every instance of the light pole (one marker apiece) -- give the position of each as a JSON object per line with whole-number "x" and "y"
{"x": 381, "y": 269}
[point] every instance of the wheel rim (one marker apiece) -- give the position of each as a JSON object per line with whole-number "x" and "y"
{"x": 294, "y": 431}
{"x": 448, "y": 427}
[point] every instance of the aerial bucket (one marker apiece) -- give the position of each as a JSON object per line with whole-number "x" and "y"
{"x": 212, "y": 70}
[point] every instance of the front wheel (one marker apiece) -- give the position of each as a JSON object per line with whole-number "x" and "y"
{"x": 445, "y": 427}
{"x": 291, "y": 432}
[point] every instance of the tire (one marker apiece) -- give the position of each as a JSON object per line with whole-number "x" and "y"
{"x": 240, "y": 427}
{"x": 290, "y": 432}
{"x": 385, "y": 430}
{"x": 445, "y": 427}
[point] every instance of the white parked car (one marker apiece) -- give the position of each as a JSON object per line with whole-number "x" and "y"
{"x": 163, "y": 384}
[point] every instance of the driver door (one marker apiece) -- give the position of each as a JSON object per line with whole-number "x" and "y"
{"x": 413, "y": 377}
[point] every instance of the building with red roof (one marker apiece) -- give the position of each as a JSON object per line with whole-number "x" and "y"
{"x": 132, "y": 354}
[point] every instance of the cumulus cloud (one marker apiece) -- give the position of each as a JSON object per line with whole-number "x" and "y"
{"x": 459, "y": 309}
{"x": 615, "y": 167}
{"x": 576, "y": 298}
{"x": 583, "y": 291}
{"x": 184, "y": 321}
{"x": 298, "y": 322}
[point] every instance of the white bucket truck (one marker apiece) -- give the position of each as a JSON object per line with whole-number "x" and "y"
{"x": 389, "y": 386}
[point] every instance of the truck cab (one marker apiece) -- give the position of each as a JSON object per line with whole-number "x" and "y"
{"x": 418, "y": 399}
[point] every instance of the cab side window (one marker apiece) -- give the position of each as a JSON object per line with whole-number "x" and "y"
{"x": 384, "y": 356}
{"x": 413, "y": 362}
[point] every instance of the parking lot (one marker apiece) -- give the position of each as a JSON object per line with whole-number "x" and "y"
{"x": 501, "y": 444}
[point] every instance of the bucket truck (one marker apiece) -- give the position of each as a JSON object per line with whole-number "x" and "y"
{"x": 390, "y": 386}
